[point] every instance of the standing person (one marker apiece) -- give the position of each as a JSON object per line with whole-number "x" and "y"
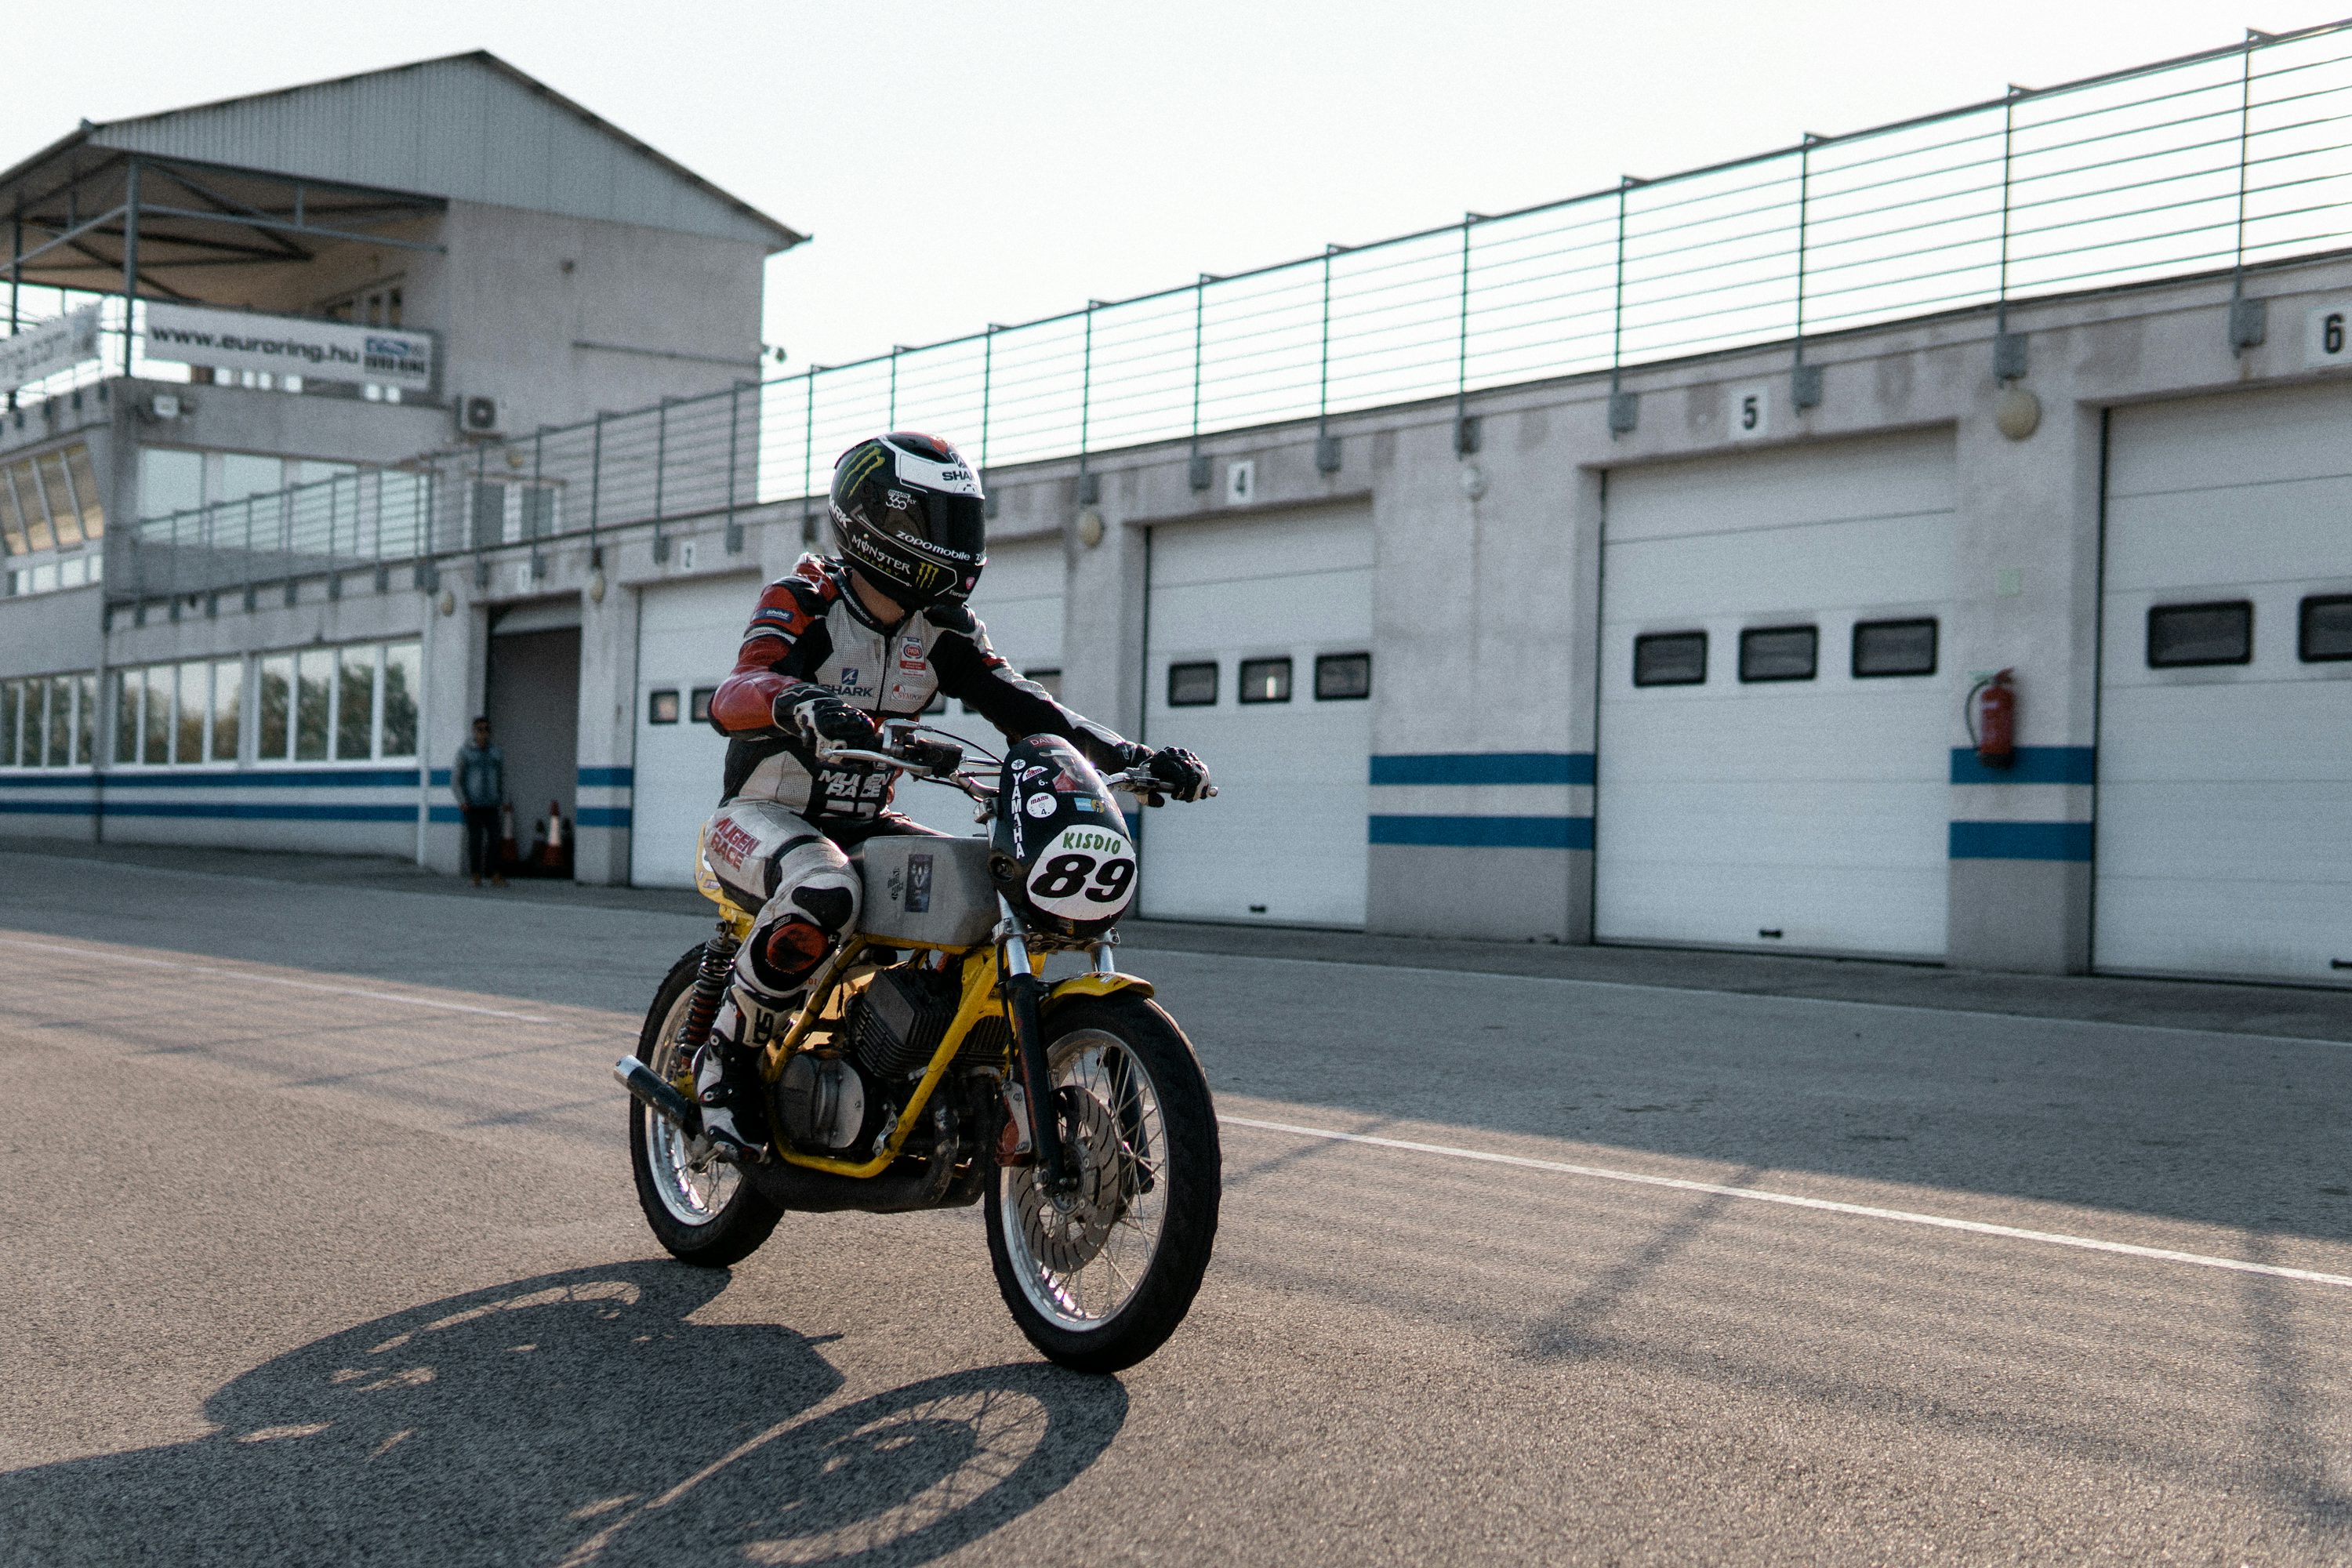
{"x": 479, "y": 779}
{"x": 872, "y": 632}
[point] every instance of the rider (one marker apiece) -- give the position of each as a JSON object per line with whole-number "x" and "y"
{"x": 875, "y": 630}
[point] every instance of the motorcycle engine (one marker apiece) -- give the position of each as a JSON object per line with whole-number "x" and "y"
{"x": 823, "y": 1105}
{"x": 897, "y": 1021}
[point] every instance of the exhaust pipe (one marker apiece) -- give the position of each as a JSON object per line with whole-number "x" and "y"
{"x": 661, "y": 1097}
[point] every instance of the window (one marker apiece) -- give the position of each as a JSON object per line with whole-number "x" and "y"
{"x": 1263, "y": 681}
{"x": 1343, "y": 677}
{"x": 698, "y": 707}
{"x": 155, "y": 745}
{"x": 195, "y": 716}
{"x": 2184, "y": 636}
{"x": 85, "y": 719}
{"x": 47, "y": 721}
{"x": 228, "y": 706}
{"x": 1778, "y": 653}
{"x": 11, "y": 703}
{"x": 661, "y": 707}
{"x": 1670, "y": 659}
{"x": 275, "y": 706}
{"x": 1193, "y": 685}
{"x": 2326, "y": 635}
{"x": 49, "y": 502}
{"x": 314, "y": 669}
{"x": 404, "y": 678}
{"x": 1894, "y": 648}
{"x": 355, "y": 705}
{"x": 169, "y": 482}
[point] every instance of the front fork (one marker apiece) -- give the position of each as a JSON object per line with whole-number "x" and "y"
{"x": 1024, "y": 990}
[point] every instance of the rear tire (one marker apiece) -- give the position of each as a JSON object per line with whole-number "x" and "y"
{"x": 712, "y": 1216}
{"x": 1100, "y": 1282}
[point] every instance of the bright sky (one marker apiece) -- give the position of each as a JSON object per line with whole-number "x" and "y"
{"x": 964, "y": 163}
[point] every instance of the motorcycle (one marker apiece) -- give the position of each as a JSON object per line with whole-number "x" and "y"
{"x": 933, "y": 1066}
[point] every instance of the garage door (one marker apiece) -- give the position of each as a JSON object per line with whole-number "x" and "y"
{"x": 2225, "y": 837}
{"x": 687, "y": 636}
{"x": 1020, "y": 601}
{"x": 1773, "y": 770}
{"x": 1260, "y": 659}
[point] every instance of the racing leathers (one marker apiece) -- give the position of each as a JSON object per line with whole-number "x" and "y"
{"x": 816, "y": 663}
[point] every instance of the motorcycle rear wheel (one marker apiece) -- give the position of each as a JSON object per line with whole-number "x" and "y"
{"x": 709, "y": 1215}
{"x": 1100, "y": 1279}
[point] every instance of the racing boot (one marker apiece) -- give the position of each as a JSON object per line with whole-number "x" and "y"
{"x": 727, "y": 1088}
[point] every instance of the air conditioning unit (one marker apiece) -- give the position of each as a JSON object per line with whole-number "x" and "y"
{"x": 478, "y": 415}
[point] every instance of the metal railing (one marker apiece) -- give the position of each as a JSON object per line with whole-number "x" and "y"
{"x": 2226, "y": 160}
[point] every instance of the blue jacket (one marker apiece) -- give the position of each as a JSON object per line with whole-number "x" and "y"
{"x": 478, "y": 777}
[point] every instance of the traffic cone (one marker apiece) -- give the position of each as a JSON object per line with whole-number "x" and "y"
{"x": 507, "y": 853}
{"x": 552, "y": 857}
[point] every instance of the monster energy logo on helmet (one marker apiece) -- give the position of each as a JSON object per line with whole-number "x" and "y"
{"x": 908, "y": 512}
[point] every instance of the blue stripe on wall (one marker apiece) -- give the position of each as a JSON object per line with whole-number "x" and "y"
{"x": 2021, "y": 841}
{"x": 1483, "y": 768}
{"x": 268, "y": 778}
{"x": 445, "y": 814}
{"x": 602, "y": 816}
{"x": 1485, "y": 832}
{"x": 259, "y": 811}
{"x": 440, "y": 778}
{"x": 2034, "y": 766}
{"x": 83, "y": 779}
{"x": 608, "y": 778}
{"x": 48, "y": 807}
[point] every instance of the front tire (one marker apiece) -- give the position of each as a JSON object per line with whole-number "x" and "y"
{"x": 707, "y": 1214}
{"x": 1099, "y": 1281}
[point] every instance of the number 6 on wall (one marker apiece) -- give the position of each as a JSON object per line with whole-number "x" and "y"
{"x": 2323, "y": 334}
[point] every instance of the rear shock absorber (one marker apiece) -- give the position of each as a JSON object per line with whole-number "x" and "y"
{"x": 709, "y": 990}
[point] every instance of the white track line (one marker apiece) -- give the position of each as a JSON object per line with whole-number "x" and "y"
{"x": 1790, "y": 1200}
{"x": 258, "y": 979}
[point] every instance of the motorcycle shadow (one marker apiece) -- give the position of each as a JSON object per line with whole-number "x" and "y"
{"x": 573, "y": 1419}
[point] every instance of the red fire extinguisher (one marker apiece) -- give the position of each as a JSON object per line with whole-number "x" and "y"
{"x": 1991, "y": 714}
{"x": 552, "y": 857}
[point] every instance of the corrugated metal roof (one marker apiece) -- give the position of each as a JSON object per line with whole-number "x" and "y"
{"x": 468, "y": 127}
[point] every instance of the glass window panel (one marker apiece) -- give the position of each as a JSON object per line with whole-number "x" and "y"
{"x": 85, "y": 718}
{"x": 314, "y": 675}
{"x": 127, "y": 688}
{"x": 243, "y": 475}
{"x": 35, "y": 702}
{"x": 44, "y": 577}
{"x": 228, "y": 706}
{"x": 537, "y": 511}
{"x": 356, "y": 704}
{"x": 60, "y": 721}
{"x": 73, "y": 571}
{"x": 1193, "y": 685}
{"x": 661, "y": 707}
{"x": 156, "y": 734}
{"x": 401, "y": 513}
{"x": 11, "y": 701}
{"x": 275, "y": 707}
{"x": 1263, "y": 681}
{"x": 65, "y": 511}
{"x": 12, "y": 524}
{"x": 1778, "y": 653}
{"x": 169, "y": 482}
{"x": 195, "y": 716}
{"x": 1343, "y": 677}
{"x": 403, "y": 666}
{"x": 698, "y": 706}
{"x": 1670, "y": 659}
{"x": 2326, "y": 631}
{"x": 1894, "y": 648}
{"x": 2179, "y": 635}
{"x": 27, "y": 487}
{"x": 85, "y": 482}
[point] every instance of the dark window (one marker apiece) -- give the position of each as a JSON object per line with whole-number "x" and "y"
{"x": 2179, "y": 635}
{"x": 1265, "y": 680}
{"x": 2327, "y": 634}
{"x": 1778, "y": 653}
{"x": 662, "y": 708}
{"x": 1342, "y": 676}
{"x": 700, "y": 709}
{"x": 1670, "y": 659}
{"x": 1894, "y": 648}
{"x": 1193, "y": 685}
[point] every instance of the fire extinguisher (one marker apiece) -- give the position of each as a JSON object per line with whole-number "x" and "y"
{"x": 1990, "y": 710}
{"x": 553, "y": 857}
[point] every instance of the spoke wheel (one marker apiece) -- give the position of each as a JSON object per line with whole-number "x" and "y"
{"x": 701, "y": 1209}
{"x": 1100, "y": 1276}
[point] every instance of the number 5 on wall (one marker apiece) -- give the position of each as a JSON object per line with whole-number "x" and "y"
{"x": 1751, "y": 410}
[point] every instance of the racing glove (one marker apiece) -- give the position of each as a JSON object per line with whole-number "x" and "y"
{"x": 811, "y": 713}
{"x": 1185, "y": 775}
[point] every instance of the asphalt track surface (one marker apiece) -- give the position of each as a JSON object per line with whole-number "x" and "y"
{"x": 317, "y": 1245}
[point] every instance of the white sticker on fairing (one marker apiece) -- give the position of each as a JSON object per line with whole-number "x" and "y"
{"x": 1041, "y": 805}
{"x": 1085, "y": 874}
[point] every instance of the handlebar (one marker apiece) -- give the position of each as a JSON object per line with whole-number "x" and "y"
{"x": 940, "y": 760}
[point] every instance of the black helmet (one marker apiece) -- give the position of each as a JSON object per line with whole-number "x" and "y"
{"x": 907, "y": 513}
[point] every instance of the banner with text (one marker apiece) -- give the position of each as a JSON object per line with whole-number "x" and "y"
{"x": 49, "y": 347}
{"x": 289, "y": 345}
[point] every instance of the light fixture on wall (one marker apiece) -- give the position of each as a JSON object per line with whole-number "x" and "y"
{"x": 1090, "y": 528}
{"x": 448, "y": 602}
{"x": 2016, "y": 412}
{"x": 597, "y": 587}
{"x": 1473, "y": 481}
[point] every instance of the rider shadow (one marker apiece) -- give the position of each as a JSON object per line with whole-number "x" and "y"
{"x": 572, "y": 1419}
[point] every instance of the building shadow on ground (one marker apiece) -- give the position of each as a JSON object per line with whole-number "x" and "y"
{"x": 572, "y": 1419}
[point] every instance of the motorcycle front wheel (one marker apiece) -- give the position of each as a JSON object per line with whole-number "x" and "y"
{"x": 1100, "y": 1277}
{"x": 703, "y": 1212}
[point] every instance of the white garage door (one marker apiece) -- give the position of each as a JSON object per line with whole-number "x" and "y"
{"x": 1020, "y": 601}
{"x": 1243, "y": 614}
{"x": 1778, "y": 777}
{"x": 687, "y": 636}
{"x": 2224, "y": 841}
